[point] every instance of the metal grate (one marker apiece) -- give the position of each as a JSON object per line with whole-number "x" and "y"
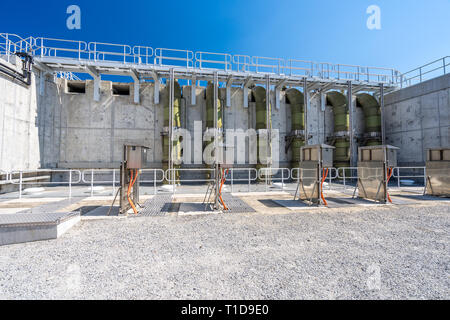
{"x": 8, "y": 220}
{"x": 156, "y": 206}
{"x": 236, "y": 205}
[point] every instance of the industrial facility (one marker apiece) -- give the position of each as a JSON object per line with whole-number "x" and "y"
{"x": 178, "y": 131}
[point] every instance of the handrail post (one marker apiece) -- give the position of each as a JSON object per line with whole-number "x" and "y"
{"x": 70, "y": 183}
{"x": 20, "y": 185}
{"x": 232, "y": 177}
{"x": 154, "y": 181}
{"x": 92, "y": 182}
{"x": 114, "y": 182}
{"x": 398, "y": 176}
{"x": 282, "y": 178}
{"x": 343, "y": 170}
{"x": 249, "y": 180}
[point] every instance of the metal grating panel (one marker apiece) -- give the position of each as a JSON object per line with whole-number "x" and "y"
{"x": 156, "y": 206}
{"x": 8, "y": 220}
{"x": 236, "y": 205}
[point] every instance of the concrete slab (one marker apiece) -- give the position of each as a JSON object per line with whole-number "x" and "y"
{"x": 25, "y": 227}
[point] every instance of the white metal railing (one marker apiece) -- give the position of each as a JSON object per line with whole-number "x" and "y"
{"x": 174, "y": 57}
{"x": 212, "y": 60}
{"x": 95, "y": 177}
{"x": 427, "y": 71}
{"x": 21, "y": 181}
{"x": 396, "y": 174}
{"x": 125, "y": 54}
{"x": 249, "y": 177}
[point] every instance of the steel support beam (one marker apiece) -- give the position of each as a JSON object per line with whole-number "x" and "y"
{"x": 278, "y": 88}
{"x": 247, "y": 83}
{"x": 171, "y": 102}
{"x": 306, "y": 107}
{"x": 383, "y": 115}
{"x": 268, "y": 127}
{"x": 193, "y": 93}
{"x": 216, "y": 153}
{"x": 351, "y": 109}
{"x": 155, "y": 77}
{"x": 137, "y": 85}
{"x": 229, "y": 83}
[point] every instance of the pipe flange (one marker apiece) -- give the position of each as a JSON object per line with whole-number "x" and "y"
{"x": 297, "y": 133}
{"x": 374, "y": 134}
{"x": 341, "y": 134}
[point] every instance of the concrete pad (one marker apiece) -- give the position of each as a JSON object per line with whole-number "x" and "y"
{"x": 23, "y": 227}
{"x": 294, "y": 204}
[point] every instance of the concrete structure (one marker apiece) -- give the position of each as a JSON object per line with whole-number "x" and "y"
{"x": 417, "y": 118}
{"x": 57, "y": 123}
{"x": 25, "y": 227}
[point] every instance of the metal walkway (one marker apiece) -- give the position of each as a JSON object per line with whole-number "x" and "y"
{"x": 144, "y": 63}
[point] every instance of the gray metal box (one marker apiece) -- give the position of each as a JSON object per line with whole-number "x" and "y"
{"x": 135, "y": 156}
{"x": 438, "y": 172}
{"x": 380, "y": 153}
{"x": 318, "y": 153}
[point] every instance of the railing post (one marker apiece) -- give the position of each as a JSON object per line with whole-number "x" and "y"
{"x": 20, "y": 185}
{"x": 232, "y": 177}
{"x": 249, "y": 180}
{"x": 114, "y": 182}
{"x": 282, "y": 178}
{"x": 443, "y": 62}
{"x": 154, "y": 181}
{"x": 398, "y": 177}
{"x": 92, "y": 182}
{"x": 343, "y": 170}
{"x": 70, "y": 184}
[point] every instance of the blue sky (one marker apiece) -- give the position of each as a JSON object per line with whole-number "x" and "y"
{"x": 413, "y": 32}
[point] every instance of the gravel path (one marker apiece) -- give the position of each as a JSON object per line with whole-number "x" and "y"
{"x": 395, "y": 253}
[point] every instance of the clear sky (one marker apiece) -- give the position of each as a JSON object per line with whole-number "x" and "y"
{"x": 413, "y": 32}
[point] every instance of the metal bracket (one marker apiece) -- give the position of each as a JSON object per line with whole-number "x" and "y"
{"x": 278, "y": 88}
{"x": 137, "y": 84}
{"x": 247, "y": 83}
{"x": 96, "y": 75}
{"x": 156, "y": 88}
{"x": 193, "y": 87}
{"x": 229, "y": 83}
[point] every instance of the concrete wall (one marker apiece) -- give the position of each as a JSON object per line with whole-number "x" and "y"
{"x": 418, "y": 117}
{"x": 19, "y": 136}
{"x": 71, "y": 130}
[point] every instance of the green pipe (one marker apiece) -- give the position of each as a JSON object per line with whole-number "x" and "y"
{"x": 372, "y": 117}
{"x": 259, "y": 95}
{"x": 176, "y": 123}
{"x": 210, "y": 115}
{"x": 339, "y": 103}
{"x": 296, "y": 99}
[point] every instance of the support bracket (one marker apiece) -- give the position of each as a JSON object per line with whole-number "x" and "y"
{"x": 229, "y": 83}
{"x": 278, "y": 88}
{"x": 156, "y": 88}
{"x": 96, "y": 75}
{"x": 193, "y": 87}
{"x": 247, "y": 83}
{"x": 137, "y": 84}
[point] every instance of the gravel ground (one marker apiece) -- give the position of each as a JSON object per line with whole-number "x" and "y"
{"x": 371, "y": 253}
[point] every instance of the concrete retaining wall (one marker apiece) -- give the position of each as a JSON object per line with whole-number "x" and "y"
{"x": 418, "y": 117}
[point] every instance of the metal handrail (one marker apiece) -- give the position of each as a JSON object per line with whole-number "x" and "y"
{"x": 398, "y": 176}
{"x": 125, "y": 51}
{"x": 445, "y": 66}
{"x": 198, "y": 60}
{"x": 160, "y": 56}
{"x": 140, "y": 52}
